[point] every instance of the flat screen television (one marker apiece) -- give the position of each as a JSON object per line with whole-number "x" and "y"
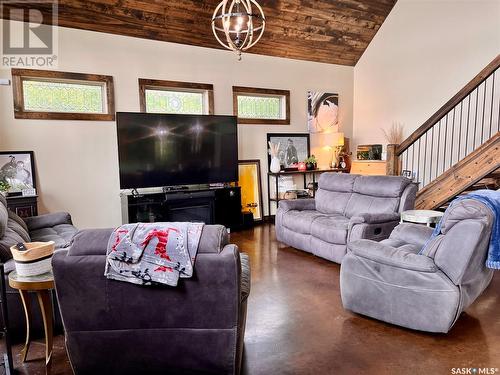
{"x": 157, "y": 150}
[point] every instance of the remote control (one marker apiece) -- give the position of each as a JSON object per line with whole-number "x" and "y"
{"x": 21, "y": 247}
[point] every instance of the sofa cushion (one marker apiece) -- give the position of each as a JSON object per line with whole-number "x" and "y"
{"x": 48, "y": 220}
{"x": 381, "y": 186}
{"x": 90, "y": 242}
{"x": 331, "y": 229}
{"x": 376, "y": 194}
{"x": 213, "y": 239}
{"x": 10, "y": 238}
{"x": 4, "y": 215}
{"x": 468, "y": 209}
{"x": 366, "y": 204}
{"x": 341, "y": 182}
{"x": 331, "y": 202}
{"x": 18, "y": 220}
{"x": 402, "y": 245}
{"x": 61, "y": 234}
{"x": 300, "y": 221}
{"x": 18, "y": 228}
{"x": 93, "y": 241}
{"x": 334, "y": 192}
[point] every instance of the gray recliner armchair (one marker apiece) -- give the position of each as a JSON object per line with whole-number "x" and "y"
{"x": 391, "y": 281}
{"x": 56, "y": 227}
{"x": 346, "y": 207}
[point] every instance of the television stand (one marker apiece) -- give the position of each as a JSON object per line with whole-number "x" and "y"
{"x": 167, "y": 189}
{"x": 207, "y": 205}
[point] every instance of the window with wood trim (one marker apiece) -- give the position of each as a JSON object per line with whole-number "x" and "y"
{"x": 261, "y": 106}
{"x": 44, "y": 94}
{"x": 187, "y": 98}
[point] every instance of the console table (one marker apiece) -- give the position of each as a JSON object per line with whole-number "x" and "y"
{"x": 276, "y": 176}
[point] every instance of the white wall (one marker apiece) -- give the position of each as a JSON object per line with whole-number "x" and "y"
{"x": 424, "y": 53}
{"x": 77, "y": 163}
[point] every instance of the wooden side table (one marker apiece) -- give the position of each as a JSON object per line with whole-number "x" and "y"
{"x": 427, "y": 217}
{"x": 41, "y": 285}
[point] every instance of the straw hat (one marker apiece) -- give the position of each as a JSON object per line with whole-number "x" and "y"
{"x": 36, "y": 260}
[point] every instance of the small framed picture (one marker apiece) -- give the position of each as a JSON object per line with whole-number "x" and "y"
{"x": 17, "y": 172}
{"x": 408, "y": 174}
{"x": 293, "y": 148}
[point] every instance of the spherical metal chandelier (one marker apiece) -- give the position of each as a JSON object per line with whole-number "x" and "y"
{"x": 238, "y": 24}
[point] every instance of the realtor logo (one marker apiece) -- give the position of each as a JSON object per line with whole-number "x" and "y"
{"x": 474, "y": 371}
{"x": 27, "y": 40}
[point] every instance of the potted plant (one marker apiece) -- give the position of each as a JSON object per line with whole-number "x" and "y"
{"x": 4, "y": 187}
{"x": 311, "y": 163}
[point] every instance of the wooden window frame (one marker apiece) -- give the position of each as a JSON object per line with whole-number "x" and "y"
{"x": 158, "y": 84}
{"x": 21, "y": 75}
{"x": 251, "y": 91}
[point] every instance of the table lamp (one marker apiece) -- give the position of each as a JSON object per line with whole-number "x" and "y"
{"x": 336, "y": 142}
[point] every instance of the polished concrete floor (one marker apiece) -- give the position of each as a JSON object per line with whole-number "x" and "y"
{"x": 296, "y": 325}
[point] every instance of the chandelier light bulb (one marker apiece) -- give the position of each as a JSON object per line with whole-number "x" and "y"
{"x": 238, "y": 24}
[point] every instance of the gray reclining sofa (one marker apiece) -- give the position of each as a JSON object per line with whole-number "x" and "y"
{"x": 391, "y": 281}
{"x": 346, "y": 207}
{"x": 115, "y": 327}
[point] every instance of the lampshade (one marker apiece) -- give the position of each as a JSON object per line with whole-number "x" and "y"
{"x": 333, "y": 139}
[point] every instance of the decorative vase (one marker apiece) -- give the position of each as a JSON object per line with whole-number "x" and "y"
{"x": 275, "y": 165}
{"x": 302, "y": 166}
{"x": 310, "y": 166}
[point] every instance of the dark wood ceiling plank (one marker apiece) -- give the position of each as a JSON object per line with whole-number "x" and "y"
{"x": 330, "y": 31}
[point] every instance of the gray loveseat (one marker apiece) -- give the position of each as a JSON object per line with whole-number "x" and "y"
{"x": 55, "y": 227}
{"x": 114, "y": 327}
{"x": 346, "y": 207}
{"x": 390, "y": 281}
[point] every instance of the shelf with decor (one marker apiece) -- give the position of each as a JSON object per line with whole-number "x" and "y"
{"x": 305, "y": 173}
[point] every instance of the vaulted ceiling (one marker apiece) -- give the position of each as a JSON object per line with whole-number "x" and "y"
{"x": 329, "y": 31}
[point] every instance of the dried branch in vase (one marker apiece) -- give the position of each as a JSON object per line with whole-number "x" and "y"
{"x": 395, "y": 133}
{"x": 274, "y": 149}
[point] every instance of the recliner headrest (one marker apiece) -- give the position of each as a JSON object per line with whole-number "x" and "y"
{"x": 381, "y": 186}
{"x": 340, "y": 182}
{"x": 466, "y": 209}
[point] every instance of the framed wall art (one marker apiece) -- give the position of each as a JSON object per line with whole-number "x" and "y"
{"x": 322, "y": 112}
{"x": 293, "y": 148}
{"x": 17, "y": 172}
{"x": 251, "y": 187}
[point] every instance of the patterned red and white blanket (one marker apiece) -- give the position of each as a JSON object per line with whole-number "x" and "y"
{"x": 152, "y": 253}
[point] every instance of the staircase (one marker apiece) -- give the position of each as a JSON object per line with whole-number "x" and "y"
{"x": 458, "y": 149}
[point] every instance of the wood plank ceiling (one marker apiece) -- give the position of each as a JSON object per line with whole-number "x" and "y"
{"x": 329, "y": 31}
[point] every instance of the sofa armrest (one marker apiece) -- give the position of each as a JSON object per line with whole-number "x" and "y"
{"x": 245, "y": 276}
{"x": 48, "y": 220}
{"x": 374, "y": 218}
{"x": 391, "y": 256}
{"x": 297, "y": 204}
{"x": 407, "y": 201}
{"x": 415, "y": 234}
